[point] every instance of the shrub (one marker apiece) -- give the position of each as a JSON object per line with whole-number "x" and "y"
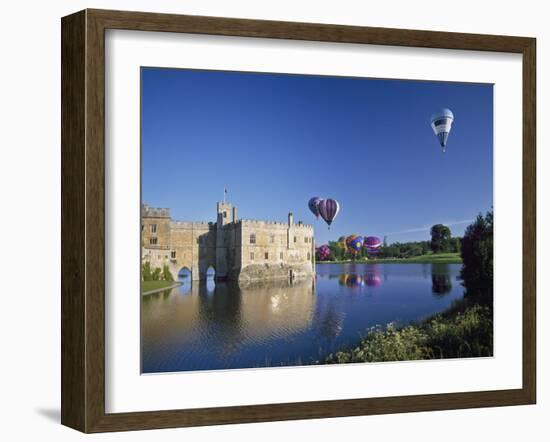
{"x": 166, "y": 274}
{"x": 156, "y": 274}
{"x": 459, "y": 334}
{"x": 146, "y": 274}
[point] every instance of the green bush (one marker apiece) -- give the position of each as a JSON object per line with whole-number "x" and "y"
{"x": 156, "y": 274}
{"x": 166, "y": 274}
{"x": 146, "y": 274}
{"x": 459, "y": 334}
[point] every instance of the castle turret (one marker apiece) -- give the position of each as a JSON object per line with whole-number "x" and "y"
{"x": 226, "y": 213}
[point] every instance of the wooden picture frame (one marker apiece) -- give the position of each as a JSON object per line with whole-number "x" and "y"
{"x": 83, "y": 220}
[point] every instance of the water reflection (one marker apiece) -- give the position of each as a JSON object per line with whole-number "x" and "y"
{"x": 441, "y": 279}
{"x": 208, "y": 325}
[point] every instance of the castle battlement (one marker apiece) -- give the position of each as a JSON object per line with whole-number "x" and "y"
{"x": 154, "y": 212}
{"x": 192, "y": 224}
{"x": 282, "y": 225}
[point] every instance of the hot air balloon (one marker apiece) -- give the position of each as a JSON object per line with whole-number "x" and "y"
{"x": 323, "y": 252}
{"x": 372, "y": 242}
{"x": 328, "y": 209}
{"x": 441, "y": 124}
{"x": 354, "y": 243}
{"x": 372, "y": 245}
{"x": 313, "y": 205}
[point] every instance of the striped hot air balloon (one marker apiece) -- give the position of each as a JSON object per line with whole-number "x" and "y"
{"x": 313, "y": 205}
{"x": 441, "y": 124}
{"x": 372, "y": 242}
{"x": 372, "y": 245}
{"x": 328, "y": 209}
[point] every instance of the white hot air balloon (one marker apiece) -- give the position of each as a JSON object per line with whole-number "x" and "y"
{"x": 441, "y": 124}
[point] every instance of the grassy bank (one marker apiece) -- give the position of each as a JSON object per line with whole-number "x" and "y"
{"x": 465, "y": 330}
{"x": 434, "y": 258}
{"x": 150, "y": 286}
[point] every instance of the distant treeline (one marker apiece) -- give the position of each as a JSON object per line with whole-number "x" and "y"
{"x": 441, "y": 242}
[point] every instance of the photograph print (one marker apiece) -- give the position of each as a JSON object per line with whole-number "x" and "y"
{"x": 299, "y": 220}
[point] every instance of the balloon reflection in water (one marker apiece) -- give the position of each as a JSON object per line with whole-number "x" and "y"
{"x": 372, "y": 277}
{"x": 351, "y": 280}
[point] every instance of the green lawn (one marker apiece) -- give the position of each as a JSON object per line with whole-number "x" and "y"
{"x": 149, "y": 286}
{"x": 443, "y": 258}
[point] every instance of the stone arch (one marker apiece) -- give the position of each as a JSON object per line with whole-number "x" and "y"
{"x": 186, "y": 273}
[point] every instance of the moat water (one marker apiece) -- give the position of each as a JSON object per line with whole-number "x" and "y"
{"x": 219, "y": 325}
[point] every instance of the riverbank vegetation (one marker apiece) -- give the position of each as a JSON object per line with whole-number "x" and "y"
{"x": 434, "y": 258}
{"x": 155, "y": 278}
{"x": 464, "y": 330}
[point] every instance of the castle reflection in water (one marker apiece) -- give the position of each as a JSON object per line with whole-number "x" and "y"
{"x": 207, "y": 325}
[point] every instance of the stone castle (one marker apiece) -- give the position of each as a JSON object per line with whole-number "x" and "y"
{"x": 237, "y": 249}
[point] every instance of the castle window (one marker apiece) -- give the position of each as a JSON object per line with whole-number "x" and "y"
{"x": 225, "y": 214}
{"x": 152, "y": 241}
{"x": 153, "y": 228}
{"x": 281, "y": 255}
{"x": 142, "y": 226}
{"x": 306, "y": 239}
{"x": 251, "y": 256}
{"x": 272, "y": 239}
{"x": 295, "y": 239}
{"x": 266, "y": 255}
{"x": 252, "y": 238}
{"x": 308, "y": 256}
{"x": 173, "y": 254}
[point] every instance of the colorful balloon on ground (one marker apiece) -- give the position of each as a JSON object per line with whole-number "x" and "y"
{"x": 441, "y": 124}
{"x": 372, "y": 242}
{"x": 354, "y": 243}
{"x": 313, "y": 205}
{"x": 323, "y": 252}
{"x": 328, "y": 209}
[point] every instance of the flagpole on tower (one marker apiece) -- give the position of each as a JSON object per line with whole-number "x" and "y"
{"x": 224, "y": 194}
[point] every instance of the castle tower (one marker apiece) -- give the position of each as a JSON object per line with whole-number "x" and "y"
{"x": 226, "y": 213}
{"x": 226, "y": 219}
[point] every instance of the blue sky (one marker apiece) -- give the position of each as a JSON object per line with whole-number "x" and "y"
{"x": 276, "y": 140}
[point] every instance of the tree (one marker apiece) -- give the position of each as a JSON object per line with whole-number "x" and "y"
{"x": 146, "y": 274}
{"x": 477, "y": 257}
{"x": 156, "y": 274}
{"x": 336, "y": 251}
{"x": 166, "y": 274}
{"x": 441, "y": 237}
